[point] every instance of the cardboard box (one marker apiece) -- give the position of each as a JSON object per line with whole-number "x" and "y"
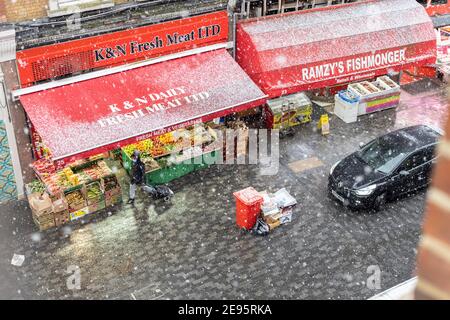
{"x": 94, "y": 207}
{"x": 60, "y": 205}
{"x": 62, "y": 218}
{"x": 113, "y": 192}
{"x": 44, "y": 224}
{"x": 72, "y": 207}
{"x": 271, "y": 222}
{"x": 113, "y": 200}
{"x": 286, "y": 218}
{"x": 41, "y": 205}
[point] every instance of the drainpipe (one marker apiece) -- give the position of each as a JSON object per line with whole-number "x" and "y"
{"x": 235, "y": 15}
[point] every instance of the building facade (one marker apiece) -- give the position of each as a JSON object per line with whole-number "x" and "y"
{"x": 30, "y": 24}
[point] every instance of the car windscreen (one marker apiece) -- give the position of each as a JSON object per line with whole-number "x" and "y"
{"x": 386, "y": 153}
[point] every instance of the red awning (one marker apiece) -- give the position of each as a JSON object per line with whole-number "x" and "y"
{"x": 321, "y": 47}
{"x": 89, "y": 117}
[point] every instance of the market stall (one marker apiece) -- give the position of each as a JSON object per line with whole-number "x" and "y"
{"x": 175, "y": 154}
{"x": 366, "y": 97}
{"x": 157, "y": 109}
{"x": 57, "y": 197}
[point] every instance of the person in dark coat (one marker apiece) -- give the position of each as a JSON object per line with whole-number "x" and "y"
{"x": 137, "y": 174}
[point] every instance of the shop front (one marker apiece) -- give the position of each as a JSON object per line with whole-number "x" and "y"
{"x": 329, "y": 47}
{"x": 165, "y": 108}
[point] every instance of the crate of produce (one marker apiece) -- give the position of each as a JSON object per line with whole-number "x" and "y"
{"x": 110, "y": 182}
{"x": 44, "y": 222}
{"x": 35, "y": 187}
{"x": 75, "y": 199}
{"x": 94, "y": 193}
{"x": 104, "y": 169}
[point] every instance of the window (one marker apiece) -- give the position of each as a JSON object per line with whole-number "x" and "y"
{"x": 429, "y": 153}
{"x": 65, "y": 7}
{"x": 416, "y": 160}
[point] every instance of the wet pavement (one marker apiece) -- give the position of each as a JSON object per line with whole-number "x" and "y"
{"x": 192, "y": 248}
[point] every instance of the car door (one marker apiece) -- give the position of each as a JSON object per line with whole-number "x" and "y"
{"x": 429, "y": 158}
{"x": 419, "y": 170}
{"x": 405, "y": 176}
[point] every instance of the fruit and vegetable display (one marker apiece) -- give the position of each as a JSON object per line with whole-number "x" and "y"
{"x": 170, "y": 142}
{"x": 80, "y": 185}
{"x": 103, "y": 168}
{"x": 36, "y": 186}
{"x": 75, "y": 200}
{"x": 94, "y": 192}
{"x": 110, "y": 183}
{"x": 150, "y": 163}
{"x": 44, "y": 166}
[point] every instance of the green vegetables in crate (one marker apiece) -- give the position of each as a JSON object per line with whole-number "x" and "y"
{"x": 36, "y": 186}
{"x": 94, "y": 191}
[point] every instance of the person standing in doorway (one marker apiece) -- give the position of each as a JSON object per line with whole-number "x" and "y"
{"x": 137, "y": 174}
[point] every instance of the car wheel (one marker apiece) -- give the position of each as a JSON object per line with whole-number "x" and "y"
{"x": 379, "y": 202}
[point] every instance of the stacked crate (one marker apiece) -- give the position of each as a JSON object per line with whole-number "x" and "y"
{"x": 42, "y": 210}
{"x": 61, "y": 212}
{"x": 96, "y": 203}
{"x": 113, "y": 192}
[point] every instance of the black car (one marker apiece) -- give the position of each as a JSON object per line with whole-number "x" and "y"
{"x": 385, "y": 168}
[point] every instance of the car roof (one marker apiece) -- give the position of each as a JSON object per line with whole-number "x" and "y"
{"x": 417, "y": 136}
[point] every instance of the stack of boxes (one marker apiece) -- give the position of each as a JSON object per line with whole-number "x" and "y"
{"x": 113, "y": 192}
{"x": 60, "y": 210}
{"x": 96, "y": 201}
{"x": 42, "y": 210}
{"x": 77, "y": 203}
{"x": 277, "y": 208}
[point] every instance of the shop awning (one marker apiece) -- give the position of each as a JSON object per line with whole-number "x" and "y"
{"x": 339, "y": 44}
{"x": 96, "y": 115}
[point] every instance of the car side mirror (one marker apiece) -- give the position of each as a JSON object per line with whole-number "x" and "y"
{"x": 404, "y": 173}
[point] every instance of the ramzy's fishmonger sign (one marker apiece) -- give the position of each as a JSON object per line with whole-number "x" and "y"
{"x": 353, "y": 65}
